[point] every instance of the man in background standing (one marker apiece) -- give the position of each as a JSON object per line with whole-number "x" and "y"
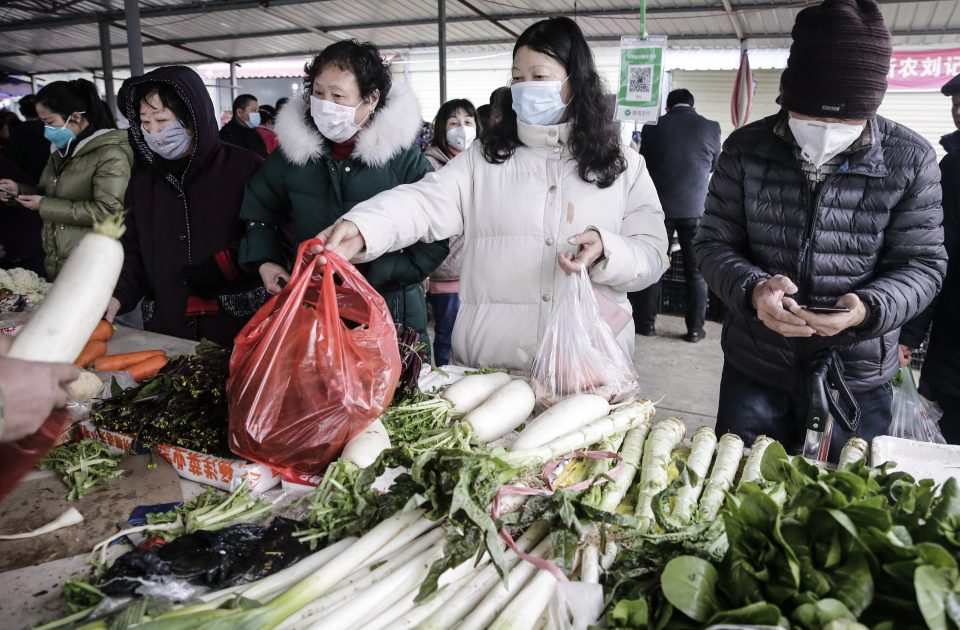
{"x": 681, "y": 150}
{"x": 28, "y": 148}
{"x": 241, "y": 131}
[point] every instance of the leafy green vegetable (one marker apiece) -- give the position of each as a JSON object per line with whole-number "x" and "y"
{"x": 81, "y": 465}
{"x": 689, "y": 584}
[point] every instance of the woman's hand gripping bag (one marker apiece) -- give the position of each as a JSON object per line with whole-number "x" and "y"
{"x": 579, "y": 353}
{"x": 313, "y": 368}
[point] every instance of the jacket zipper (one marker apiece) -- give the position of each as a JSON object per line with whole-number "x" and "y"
{"x": 808, "y": 232}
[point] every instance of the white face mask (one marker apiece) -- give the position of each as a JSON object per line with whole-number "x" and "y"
{"x": 821, "y": 141}
{"x": 538, "y": 102}
{"x": 334, "y": 121}
{"x": 459, "y": 138}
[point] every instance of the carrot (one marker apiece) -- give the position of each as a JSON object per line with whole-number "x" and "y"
{"x": 146, "y": 369}
{"x": 91, "y": 352}
{"x": 117, "y": 362}
{"x": 103, "y": 331}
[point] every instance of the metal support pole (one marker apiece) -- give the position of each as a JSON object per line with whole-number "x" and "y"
{"x": 134, "y": 43}
{"x": 442, "y": 28}
{"x": 106, "y": 63}
{"x": 234, "y": 88}
{"x": 33, "y": 83}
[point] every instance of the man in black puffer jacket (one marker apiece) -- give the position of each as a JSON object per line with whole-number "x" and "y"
{"x": 940, "y": 380}
{"x": 825, "y": 204}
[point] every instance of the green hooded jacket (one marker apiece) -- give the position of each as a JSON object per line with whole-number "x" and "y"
{"x": 80, "y": 190}
{"x": 300, "y": 191}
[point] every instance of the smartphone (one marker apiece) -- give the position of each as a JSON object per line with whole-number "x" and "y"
{"x": 826, "y": 310}
{"x": 9, "y": 192}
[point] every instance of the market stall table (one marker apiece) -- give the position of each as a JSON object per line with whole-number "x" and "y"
{"x": 30, "y": 595}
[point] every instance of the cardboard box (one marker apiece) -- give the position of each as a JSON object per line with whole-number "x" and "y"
{"x": 219, "y": 472}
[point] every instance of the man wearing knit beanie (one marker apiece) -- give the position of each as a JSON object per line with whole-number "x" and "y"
{"x": 822, "y": 234}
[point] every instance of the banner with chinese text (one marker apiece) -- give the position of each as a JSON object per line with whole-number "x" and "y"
{"x": 922, "y": 69}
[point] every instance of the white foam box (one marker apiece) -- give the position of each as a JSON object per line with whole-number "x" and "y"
{"x": 219, "y": 472}
{"x": 922, "y": 460}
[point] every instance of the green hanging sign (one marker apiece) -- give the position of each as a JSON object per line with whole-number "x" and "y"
{"x": 641, "y": 79}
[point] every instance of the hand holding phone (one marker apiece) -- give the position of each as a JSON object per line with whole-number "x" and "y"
{"x": 826, "y": 310}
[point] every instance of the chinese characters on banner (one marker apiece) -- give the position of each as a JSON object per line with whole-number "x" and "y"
{"x": 923, "y": 69}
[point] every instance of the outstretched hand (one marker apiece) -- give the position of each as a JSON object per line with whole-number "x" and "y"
{"x": 342, "y": 238}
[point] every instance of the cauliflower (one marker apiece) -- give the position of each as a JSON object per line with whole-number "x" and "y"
{"x": 24, "y": 282}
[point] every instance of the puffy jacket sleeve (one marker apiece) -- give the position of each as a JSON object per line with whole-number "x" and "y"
{"x": 132, "y": 283}
{"x": 110, "y": 178}
{"x": 635, "y": 256}
{"x": 430, "y": 210}
{"x": 913, "y": 261}
{"x": 410, "y": 265}
{"x": 721, "y": 245}
{"x": 264, "y": 211}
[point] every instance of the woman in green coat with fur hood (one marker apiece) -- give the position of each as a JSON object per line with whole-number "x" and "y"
{"x": 350, "y": 137}
{"x": 86, "y": 177}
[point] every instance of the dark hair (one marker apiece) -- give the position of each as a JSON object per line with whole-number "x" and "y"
{"x": 168, "y": 98}
{"x": 28, "y": 106}
{"x": 9, "y": 120}
{"x": 594, "y": 138}
{"x": 242, "y": 101}
{"x": 483, "y": 116}
{"x": 679, "y": 97}
{"x": 281, "y": 102}
{"x": 447, "y": 110}
{"x": 498, "y": 93}
{"x": 79, "y": 95}
{"x": 363, "y": 60}
{"x": 267, "y": 114}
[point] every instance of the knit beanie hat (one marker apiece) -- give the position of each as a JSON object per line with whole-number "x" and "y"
{"x": 838, "y": 61}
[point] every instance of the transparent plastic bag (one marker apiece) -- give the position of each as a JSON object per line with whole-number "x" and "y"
{"x": 313, "y": 368}
{"x": 914, "y": 417}
{"x": 579, "y": 354}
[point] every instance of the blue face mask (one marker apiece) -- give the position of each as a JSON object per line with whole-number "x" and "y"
{"x": 254, "y": 121}
{"x": 61, "y": 137}
{"x": 538, "y": 102}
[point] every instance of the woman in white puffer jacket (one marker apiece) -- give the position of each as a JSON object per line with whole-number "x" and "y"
{"x": 551, "y": 188}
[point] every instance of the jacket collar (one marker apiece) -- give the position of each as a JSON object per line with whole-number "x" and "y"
{"x": 868, "y": 161}
{"x": 951, "y": 142}
{"x": 435, "y": 152}
{"x": 543, "y": 136}
{"x": 87, "y": 142}
{"x": 392, "y": 130}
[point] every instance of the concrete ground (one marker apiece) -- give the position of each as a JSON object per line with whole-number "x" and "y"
{"x": 683, "y": 376}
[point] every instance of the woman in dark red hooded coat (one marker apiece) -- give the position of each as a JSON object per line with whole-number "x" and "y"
{"x": 183, "y": 200}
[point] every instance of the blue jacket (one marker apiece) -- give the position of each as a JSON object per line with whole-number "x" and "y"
{"x": 681, "y": 150}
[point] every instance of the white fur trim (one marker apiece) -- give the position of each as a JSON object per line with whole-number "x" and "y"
{"x": 298, "y": 141}
{"x": 392, "y": 130}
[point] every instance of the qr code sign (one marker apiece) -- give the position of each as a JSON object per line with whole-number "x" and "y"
{"x": 639, "y": 83}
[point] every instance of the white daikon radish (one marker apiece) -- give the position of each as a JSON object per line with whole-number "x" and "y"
{"x": 853, "y": 451}
{"x": 729, "y": 453}
{"x": 503, "y": 412}
{"x": 472, "y": 390}
{"x": 665, "y": 436}
{"x": 698, "y": 463}
{"x": 568, "y": 415}
{"x": 67, "y": 519}
{"x": 751, "y": 469}
{"x": 64, "y": 321}
{"x": 364, "y": 448}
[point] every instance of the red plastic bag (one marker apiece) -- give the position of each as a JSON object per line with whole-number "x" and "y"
{"x": 302, "y": 382}
{"x": 20, "y": 457}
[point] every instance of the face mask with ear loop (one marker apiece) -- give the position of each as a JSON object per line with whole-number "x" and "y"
{"x": 61, "y": 137}
{"x": 821, "y": 141}
{"x": 334, "y": 121}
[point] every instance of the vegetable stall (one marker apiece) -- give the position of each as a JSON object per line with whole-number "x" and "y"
{"x": 426, "y": 498}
